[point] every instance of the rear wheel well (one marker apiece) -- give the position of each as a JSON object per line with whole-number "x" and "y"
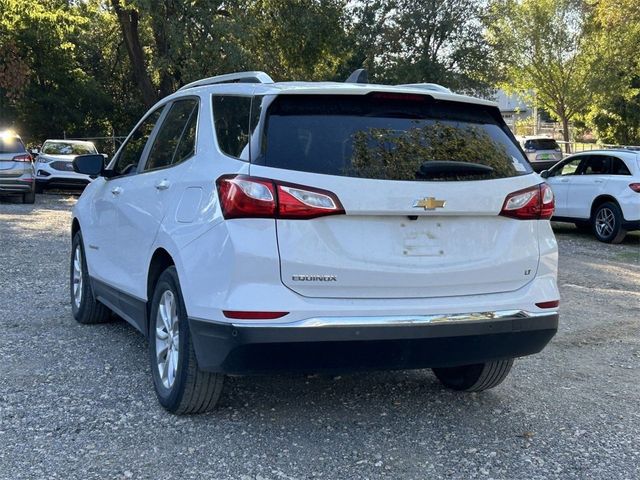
{"x": 160, "y": 261}
{"x": 600, "y": 200}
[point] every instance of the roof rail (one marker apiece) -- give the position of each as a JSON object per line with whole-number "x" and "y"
{"x": 428, "y": 86}
{"x": 239, "y": 77}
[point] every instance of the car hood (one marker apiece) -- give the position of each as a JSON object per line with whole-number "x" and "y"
{"x": 49, "y": 157}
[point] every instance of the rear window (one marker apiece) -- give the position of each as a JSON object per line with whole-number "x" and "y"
{"x": 11, "y": 145}
{"x": 389, "y": 136}
{"x": 541, "y": 144}
{"x": 68, "y": 148}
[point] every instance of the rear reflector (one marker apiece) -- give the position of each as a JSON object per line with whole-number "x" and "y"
{"x": 240, "y": 315}
{"x": 635, "y": 187}
{"x": 22, "y": 158}
{"x": 242, "y": 196}
{"x": 534, "y": 203}
{"x": 551, "y": 304}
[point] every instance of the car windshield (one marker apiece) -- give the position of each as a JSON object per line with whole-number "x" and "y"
{"x": 541, "y": 144}
{"x": 11, "y": 145}
{"x": 389, "y": 136}
{"x": 68, "y": 148}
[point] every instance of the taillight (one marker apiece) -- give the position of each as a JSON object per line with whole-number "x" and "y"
{"x": 635, "y": 187}
{"x": 242, "y": 196}
{"x": 22, "y": 158}
{"x": 530, "y": 204}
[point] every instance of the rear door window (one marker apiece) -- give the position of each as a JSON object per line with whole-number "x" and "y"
{"x": 618, "y": 167}
{"x": 11, "y": 145}
{"x": 175, "y": 140}
{"x": 596, "y": 165}
{"x": 389, "y": 136}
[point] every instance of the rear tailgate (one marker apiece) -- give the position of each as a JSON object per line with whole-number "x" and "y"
{"x": 422, "y": 182}
{"x": 386, "y": 248}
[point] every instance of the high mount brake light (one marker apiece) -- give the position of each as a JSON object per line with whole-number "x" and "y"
{"x": 410, "y": 97}
{"x": 243, "y": 196}
{"x": 534, "y": 203}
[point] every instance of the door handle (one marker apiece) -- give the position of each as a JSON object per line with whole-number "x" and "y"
{"x": 163, "y": 185}
{"x": 116, "y": 190}
{"x": 598, "y": 181}
{"x": 564, "y": 180}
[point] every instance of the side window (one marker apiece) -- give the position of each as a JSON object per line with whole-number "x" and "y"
{"x": 569, "y": 168}
{"x": 175, "y": 140}
{"x": 129, "y": 156}
{"x": 618, "y": 167}
{"x": 596, "y": 165}
{"x": 231, "y": 118}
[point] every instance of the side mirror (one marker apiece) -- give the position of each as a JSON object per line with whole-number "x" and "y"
{"x": 91, "y": 164}
{"x": 545, "y": 174}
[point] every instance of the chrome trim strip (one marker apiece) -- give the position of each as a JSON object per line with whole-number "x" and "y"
{"x": 396, "y": 320}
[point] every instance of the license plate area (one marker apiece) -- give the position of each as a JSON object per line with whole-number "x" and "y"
{"x": 423, "y": 239}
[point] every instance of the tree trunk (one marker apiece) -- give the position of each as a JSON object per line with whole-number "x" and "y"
{"x": 128, "y": 20}
{"x": 565, "y": 134}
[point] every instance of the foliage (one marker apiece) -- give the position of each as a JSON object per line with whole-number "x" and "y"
{"x": 614, "y": 107}
{"x": 388, "y": 154}
{"x": 539, "y": 44}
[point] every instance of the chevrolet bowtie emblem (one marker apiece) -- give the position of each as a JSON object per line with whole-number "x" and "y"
{"x": 429, "y": 203}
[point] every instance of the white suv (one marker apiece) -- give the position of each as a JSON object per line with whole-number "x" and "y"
{"x": 247, "y": 226}
{"x": 598, "y": 190}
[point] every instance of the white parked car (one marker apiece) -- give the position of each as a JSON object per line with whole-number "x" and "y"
{"x": 599, "y": 190}
{"x": 542, "y": 152}
{"x": 54, "y": 164}
{"x": 247, "y": 226}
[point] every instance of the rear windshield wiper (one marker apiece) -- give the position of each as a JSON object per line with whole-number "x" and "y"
{"x": 438, "y": 169}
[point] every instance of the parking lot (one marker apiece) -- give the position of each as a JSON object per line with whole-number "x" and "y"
{"x": 77, "y": 401}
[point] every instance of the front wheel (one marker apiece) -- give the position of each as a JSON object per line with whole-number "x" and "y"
{"x": 86, "y": 309}
{"x": 607, "y": 223}
{"x": 475, "y": 378}
{"x": 181, "y": 387}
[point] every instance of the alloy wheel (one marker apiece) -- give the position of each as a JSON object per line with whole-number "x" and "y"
{"x": 605, "y": 222}
{"x": 167, "y": 339}
{"x": 77, "y": 276}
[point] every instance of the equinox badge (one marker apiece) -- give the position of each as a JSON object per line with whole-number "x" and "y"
{"x": 314, "y": 278}
{"x": 429, "y": 203}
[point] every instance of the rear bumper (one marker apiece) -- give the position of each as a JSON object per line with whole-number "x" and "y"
{"x": 360, "y": 343}
{"x": 17, "y": 185}
{"x": 539, "y": 166}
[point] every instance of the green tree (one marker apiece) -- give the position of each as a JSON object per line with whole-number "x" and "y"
{"x": 614, "y": 38}
{"x": 540, "y": 46}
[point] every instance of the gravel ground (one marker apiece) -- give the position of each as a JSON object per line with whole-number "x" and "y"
{"x": 77, "y": 401}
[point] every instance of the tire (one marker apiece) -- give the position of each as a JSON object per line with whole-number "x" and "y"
{"x": 607, "y": 223}
{"x": 29, "y": 197}
{"x": 189, "y": 389}
{"x": 474, "y": 378}
{"x": 86, "y": 309}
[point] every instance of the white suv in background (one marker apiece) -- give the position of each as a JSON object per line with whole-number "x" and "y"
{"x": 247, "y": 226}
{"x": 54, "y": 164}
{"x": 598, "y": 190}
